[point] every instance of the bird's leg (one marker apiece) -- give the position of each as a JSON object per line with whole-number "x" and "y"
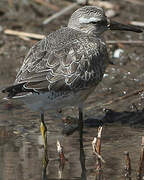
{"x": 43, "y": 129}
{"x": 80, "y": 123}
{"x": 82, "y": 155}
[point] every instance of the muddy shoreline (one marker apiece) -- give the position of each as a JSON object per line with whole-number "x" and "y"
{"x": 121, "y": 92}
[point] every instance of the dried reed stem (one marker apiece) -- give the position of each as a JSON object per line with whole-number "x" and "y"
{"x": 127, "y": 167}
{"x": 140, "y": 174}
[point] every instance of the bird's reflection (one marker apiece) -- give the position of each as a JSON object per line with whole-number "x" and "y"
{"x": 82, "y": 161}
{"x": 62, "y": 163}
{"x": 82, "y": 155}
{"x": 45, "y": 164}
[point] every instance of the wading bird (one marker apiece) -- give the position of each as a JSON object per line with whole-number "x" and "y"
{"x": 65, "y": 67}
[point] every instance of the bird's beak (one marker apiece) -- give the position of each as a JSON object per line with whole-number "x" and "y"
{"x": 118, "y": 26}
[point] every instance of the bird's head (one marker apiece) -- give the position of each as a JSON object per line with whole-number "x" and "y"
{"x": 92, "y": 19}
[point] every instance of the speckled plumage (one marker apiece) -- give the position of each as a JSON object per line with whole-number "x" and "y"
{"x": 64, "y": 60}
{"x": 66, "y": 66}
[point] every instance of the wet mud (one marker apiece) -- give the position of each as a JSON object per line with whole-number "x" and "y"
{"x": 117, "y": 103}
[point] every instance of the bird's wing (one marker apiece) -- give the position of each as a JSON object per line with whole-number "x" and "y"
{"x": 61, "y": 66}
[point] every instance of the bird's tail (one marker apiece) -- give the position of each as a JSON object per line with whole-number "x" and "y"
{"x": 13, "y": 90}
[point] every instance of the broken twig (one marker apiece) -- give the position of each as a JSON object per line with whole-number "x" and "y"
{"x": 62, "y": 159}
{"x": 94, "y": 150}
{"x": 140, "y": 174}
{"x": 137, "y": 2}
{"x": 47, "y": 4}
{"x": 23, "y": 34}
{"x": 103, "y": 4}
{"x": 137, "y": 23}
{"x": 127, "y": 167}
{"x": 60, "y": 13}
{"x": 124, "y": 42}
{"x": 96, "y": 145}
{"x": 60, "y": 152}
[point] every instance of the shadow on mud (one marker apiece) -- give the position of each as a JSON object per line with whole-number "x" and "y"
{"x": 132, "y": 118}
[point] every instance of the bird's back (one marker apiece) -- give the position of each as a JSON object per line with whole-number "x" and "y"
{"x": 65, "y": 60}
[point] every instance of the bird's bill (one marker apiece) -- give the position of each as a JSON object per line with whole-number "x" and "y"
{"x": 122, "y": 27}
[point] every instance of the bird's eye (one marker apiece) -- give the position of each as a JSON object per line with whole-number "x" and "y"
{"x": 100, "y": 23}
{"x": 94, "y": 22}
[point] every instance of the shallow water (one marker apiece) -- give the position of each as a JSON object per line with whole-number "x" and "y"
{"x": 21, "y": 145}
